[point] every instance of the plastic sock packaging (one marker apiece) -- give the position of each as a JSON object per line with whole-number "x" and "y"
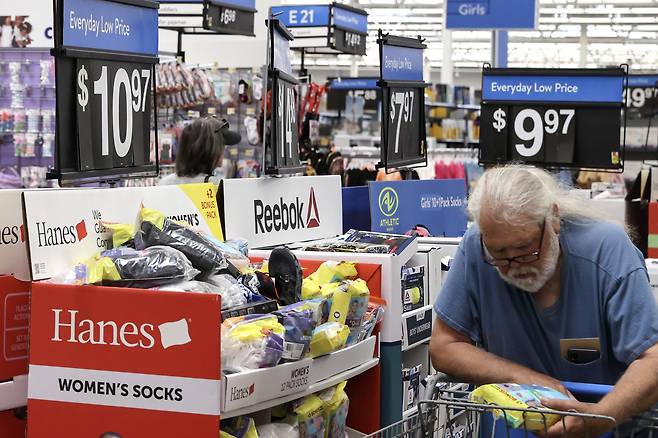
{"x": 299, "y": 324}
{"x": 156, "y": 229}
{"x": 328, "y": 337}
{"x": 238, "y": 427}
{"x": 278, "y": 430}
{"x": 232, "y": 295}
{"x": 332, "y": 271}
{"x": 336, "y": 405}
{"x": 251, "y": 342}
{"x": 513, "y": 396}
{"x": 309, "y": 413}
{"x": 128, "y": 267}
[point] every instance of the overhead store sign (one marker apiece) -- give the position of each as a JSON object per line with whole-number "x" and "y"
{"x": 438, "y": 205}
{"x": 492, "y": 14}
{"x": 553, "y": 117}
{"x": 341, "y": 88}
{"x": 235, "y": 17}
{"x": 403, "y": 96}
{"x": 275, "y": 211}
{"x": 642, "y": 94}
{"x": 123, "y": 362}
{"x": 333, "y": 28}
{"x": 60, "y": 238}
{"x": 104, "y": 76}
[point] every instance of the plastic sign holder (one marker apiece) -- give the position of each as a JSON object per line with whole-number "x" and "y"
{"x": 208, "y": 17}
{"x": 642, "y": 95}
{"x": 325, "y": 29}
{"x": 561, "y": 118}
{"x": 281, "y": 151}
{"x": 492, "y": 14}
{"x": 105, "y": 52}
{"x": 404, "y": 141}
{"x": 340, "y": 88}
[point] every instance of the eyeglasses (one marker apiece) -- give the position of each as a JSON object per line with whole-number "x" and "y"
{"x": 506, "y": 261}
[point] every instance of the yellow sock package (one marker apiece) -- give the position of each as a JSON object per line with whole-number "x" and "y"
{"x": 240, "y": 427}
{"x": 512, "y": 396}
{"x": 310, "y": 417}
{"x": 336, "y": 405}
{"x": 332, "y": 271}
{"x": 340, "y": 305}
{"x": 328, "y": 337}
{"x": 310, "y": 288}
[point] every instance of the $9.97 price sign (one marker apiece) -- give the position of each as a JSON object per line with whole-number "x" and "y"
{"x": 552, "y": 117}
{"x": 113, "y": 111}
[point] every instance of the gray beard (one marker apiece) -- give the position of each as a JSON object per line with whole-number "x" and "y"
{"x": 540, "y": 275}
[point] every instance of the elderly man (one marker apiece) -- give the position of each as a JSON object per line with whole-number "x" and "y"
{"x": 543, "y": 290}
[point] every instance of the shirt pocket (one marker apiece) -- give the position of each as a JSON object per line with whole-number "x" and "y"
{"x": 590, "y": 372}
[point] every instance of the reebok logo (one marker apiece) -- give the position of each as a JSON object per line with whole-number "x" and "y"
{"x": 69, "y": 327}
{"x": 66, "y": 235}
{"x": 242, "y": 393}
{"x": 312, "y": 217}
{"x": 11, "y": 235}
{"x": 284, "y": 216}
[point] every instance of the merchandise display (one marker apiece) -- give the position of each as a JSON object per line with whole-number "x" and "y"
{"x": 333, "y": 214}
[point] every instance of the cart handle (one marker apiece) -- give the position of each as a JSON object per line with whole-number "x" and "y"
{"x": 588, "y": 389}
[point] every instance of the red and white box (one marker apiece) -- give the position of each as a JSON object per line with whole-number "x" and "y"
{"x": 131, "y": 362}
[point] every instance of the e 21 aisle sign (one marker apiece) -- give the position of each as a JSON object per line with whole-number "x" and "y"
{"x": 105, "y": 53}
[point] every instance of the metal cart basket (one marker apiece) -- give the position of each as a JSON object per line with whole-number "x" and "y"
{"x": 445, "y": 411}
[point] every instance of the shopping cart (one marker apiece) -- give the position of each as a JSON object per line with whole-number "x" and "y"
{"x": 445, "y": 411}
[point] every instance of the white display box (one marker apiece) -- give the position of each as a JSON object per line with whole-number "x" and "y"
{"x": 253, "y": 389}
{"x": 342, "y": 360}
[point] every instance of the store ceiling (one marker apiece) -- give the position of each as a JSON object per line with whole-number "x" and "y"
{"x": 616, "y": 32}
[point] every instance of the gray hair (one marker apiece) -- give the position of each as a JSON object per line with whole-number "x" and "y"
{"x": 518, "y": 195}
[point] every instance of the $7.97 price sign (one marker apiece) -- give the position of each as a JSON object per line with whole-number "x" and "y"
{"x": 533, "y": 128}
{"x": 113, "y": 109}
{"x": 403, "y": 137}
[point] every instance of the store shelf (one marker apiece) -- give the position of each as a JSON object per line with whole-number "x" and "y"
{"x": 319, "y": 386}
{"x": 13, "y": 393}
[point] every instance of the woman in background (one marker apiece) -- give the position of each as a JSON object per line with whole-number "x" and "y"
{"x": 201, "y": 151}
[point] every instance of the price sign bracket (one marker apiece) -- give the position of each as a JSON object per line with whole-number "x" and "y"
{"x": 105, "y": 76}
{"x": 554, "y": 118}
{"x": 281, "y": 151}
{"x": 404, "y": 138}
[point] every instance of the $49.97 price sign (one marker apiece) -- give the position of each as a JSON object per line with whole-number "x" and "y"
{"x": 552, "y": 117}
{"x": 113, "y": 112}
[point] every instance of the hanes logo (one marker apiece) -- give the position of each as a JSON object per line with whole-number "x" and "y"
{"x": 62, "y": 235}
{"x": 242, "y": 393}
{"x": 12, "y": 234}
{"x": 70, "y": 327}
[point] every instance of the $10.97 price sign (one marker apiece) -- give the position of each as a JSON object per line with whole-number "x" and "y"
{"x": 551, "y": 117}
{"x": 113, "y": 106}
{"x": 105, "y": 52}
{"x": 403, "y": 101}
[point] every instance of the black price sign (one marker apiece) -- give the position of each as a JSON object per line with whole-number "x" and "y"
{"x": 401, "y": 126}
{"x": 105, "y": 89}
{"x": 113, "y": 102}
{"x": 642, "y": 95}
{"x": 403, "y": 101}
{"x": 284, "y": 123}
{"x": 349, "y": 42}
{"x": 551, "y": 117}
{"x": 282, "y": 144}
{"x": 229, "y": 17}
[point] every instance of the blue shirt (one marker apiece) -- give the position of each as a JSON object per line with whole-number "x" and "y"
{"x": 604, "y": 293}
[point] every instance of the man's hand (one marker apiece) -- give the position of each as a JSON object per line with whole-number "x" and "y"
{"x": 575, "y": 427}
{"x": 534, "y": 378}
